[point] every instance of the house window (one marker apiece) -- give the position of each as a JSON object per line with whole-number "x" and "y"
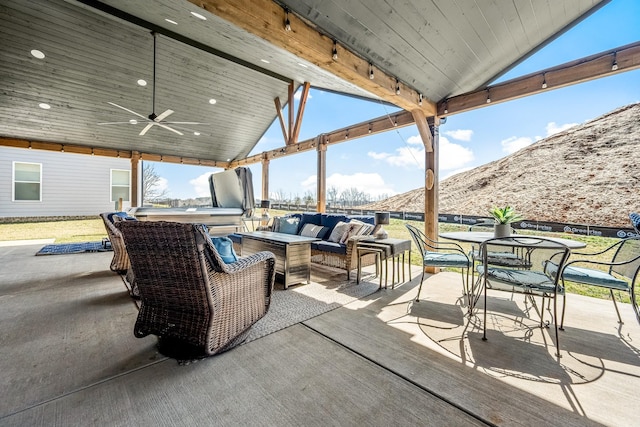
{"x": 27, "y": 181}
{"x": 120, "y": 185}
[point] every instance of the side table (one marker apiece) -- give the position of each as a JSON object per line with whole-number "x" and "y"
{"x": 389, "y": 248}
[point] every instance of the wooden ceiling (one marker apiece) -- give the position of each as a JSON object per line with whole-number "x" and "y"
{"x": 243, "y": 57}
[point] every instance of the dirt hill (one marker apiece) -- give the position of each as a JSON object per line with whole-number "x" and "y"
{"x": 589, "y": 174}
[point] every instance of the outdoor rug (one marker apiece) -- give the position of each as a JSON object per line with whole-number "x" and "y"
{"x": 327, "y": 291}
{"x": 72, "y": 248}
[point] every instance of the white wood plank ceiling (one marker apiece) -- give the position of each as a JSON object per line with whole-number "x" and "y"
{"x": 438, "y": 47}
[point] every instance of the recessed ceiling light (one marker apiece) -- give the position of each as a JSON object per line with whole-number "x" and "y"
{"x": 171, "y": 21}
{"x": 142, "y": 82}
{"x": 196, "y": 133}
{"x": 38, "y": 54}
{"x": 265, "y": 61}
{"x": 44, "y": 106}
{"x": 197, "y": 15}
{"x": 212, "y": 101}
{"x": 133, "y": 121}
{"x": 302, "y": 65}
{"x": 228, "y": 160}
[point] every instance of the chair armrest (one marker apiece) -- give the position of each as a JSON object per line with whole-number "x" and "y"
{"x": 604, "y": 263}
{"x": 245, "y": 262}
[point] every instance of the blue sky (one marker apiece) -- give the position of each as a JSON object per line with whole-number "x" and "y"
{"x": 393, "y": 162}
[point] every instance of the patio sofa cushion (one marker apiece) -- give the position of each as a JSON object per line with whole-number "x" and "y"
{"x": 312, "y": 230}
{"x": 288, "y": 225}
{"x": 339, "y": 231}
{"x": 367, "y": 219}
{"x": 331, "y": 220}
{"x": 331, "y": 247}
{"x": 224, "y": 246}
{"x": 308, "y": 218}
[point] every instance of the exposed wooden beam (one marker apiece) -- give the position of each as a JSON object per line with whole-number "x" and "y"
{"x": 301, "y": 105}
{"x": 291, "y": 111}
{"x": 283, "y": 126}
{"x": 107, "y": 152}
{"x": 423, "y": 129}
{"x": 265, "y": 19}
{"x": 627, "y": 58}
{"x": 378, "y": 125}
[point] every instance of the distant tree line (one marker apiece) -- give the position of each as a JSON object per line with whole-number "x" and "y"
{"x": 347, "y": 198}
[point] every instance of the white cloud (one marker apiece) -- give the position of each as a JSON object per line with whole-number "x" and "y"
{"x": 460, "y": 134}
{"x": 514, "y": 143}
{"x": 162, "y": 184}
{"x": 298, "y": 95}
{"x": 201, "y": 185}
{"x": 553, "y": 128}
{"x": 452, "y": 156}
{"x": 369, "y": 183}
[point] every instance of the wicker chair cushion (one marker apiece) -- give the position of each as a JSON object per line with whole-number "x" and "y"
{"x": 224, "y": 246}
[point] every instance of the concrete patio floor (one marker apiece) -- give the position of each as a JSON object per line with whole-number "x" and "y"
{"x": 69, "y": 357}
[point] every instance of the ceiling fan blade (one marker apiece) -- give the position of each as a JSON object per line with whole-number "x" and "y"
{"x": 115, "y": 123}
{"x": 163, "y": 116}
{"x": 146, "y": 128}
{"x": 168, "y": 128}
{"x": 126, "y": 109}
{"x": 185, "y": 123}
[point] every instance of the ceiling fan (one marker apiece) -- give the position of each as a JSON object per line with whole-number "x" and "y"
{"x": 152, "y": 119}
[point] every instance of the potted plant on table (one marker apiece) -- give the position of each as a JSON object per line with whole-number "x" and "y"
{"x": 503, "y": 218}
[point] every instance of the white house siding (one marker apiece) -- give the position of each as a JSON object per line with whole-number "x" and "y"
{"x": 72, "y": 184}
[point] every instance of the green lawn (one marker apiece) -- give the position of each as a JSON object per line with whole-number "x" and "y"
{"x": 93, "y": 230}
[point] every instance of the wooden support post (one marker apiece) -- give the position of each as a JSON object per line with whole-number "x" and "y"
{"x": 321, "y": 190}
{"x": 135, "y": 161}
{"x": 431, "y": 187}
{"x": 265, "y": 185}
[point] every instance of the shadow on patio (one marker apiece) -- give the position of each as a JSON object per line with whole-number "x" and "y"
{"x": 69, "y": 357}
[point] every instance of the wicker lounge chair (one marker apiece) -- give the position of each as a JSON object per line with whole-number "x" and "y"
{"x": 120, "y": 261}
{"x": 195, "y": 303}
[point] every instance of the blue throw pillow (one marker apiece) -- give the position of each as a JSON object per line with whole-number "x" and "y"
{"x": 288, "y": 225}
{"x": 224, "y": 246}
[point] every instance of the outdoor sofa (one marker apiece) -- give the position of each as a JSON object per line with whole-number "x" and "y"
{"x": 338, "y": 234}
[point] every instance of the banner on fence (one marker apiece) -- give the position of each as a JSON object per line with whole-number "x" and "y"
{"x": 468, "y": 220}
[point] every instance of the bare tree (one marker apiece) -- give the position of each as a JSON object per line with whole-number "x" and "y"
{"x": 309, "y": 198}
{"x": 332, "y": 195}
{"x": 151, "y": 190}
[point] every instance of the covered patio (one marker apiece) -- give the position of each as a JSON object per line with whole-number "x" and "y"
{"x": 69, "y": 357}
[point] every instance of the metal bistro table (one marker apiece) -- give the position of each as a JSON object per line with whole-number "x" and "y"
{"x": 482, "y": 236}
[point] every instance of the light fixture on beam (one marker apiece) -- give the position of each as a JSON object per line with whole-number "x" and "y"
{"x": 346, "y": 135}
{"x": 544, "y": 81}
{"x": 287, "y": 22}
{"x": 370, "y": 127}
{"x": 614, "y": 66}
{"x": 397, "y": 87}
{"x": 334, "y": 52}
{"x": 62, "y": 149}
{"x": 420, "y": 99}
{"x": 446, "y": 107}
{"x": 370, "y": 71}
{"x": 488, "y": 96}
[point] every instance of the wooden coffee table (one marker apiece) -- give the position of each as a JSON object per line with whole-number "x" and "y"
{"x": 293, "y": 253}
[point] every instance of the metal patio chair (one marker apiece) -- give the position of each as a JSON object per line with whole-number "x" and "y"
{"x": 441, "y": 255}
{"x": 538, "y": 281}
{"x": 620, "y": 273}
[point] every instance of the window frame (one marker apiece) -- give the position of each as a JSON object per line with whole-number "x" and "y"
{"x": 14, "y": 182}
{"x": 111, "y": 186}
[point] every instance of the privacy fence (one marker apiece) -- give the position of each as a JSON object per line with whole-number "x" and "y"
{"x": 467, "y": 220}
